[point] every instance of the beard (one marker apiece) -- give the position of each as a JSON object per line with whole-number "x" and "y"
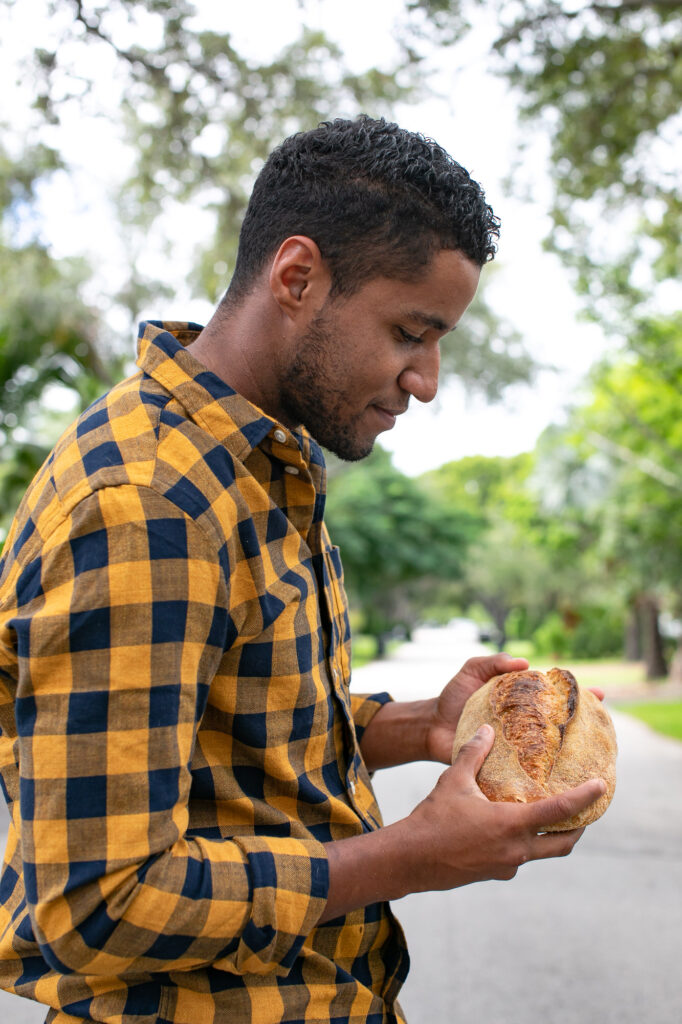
{"x": 312, "y": 393}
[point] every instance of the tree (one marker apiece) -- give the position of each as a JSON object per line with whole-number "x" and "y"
{"x": 198, "y": 118}
{"x": 393, "y": 536}
{"x": 505, "y": 570}
{"x": 47, "y": 335}
{"x": 601, "y": 82}
{"x": 534, "y": 566}
{"x": 633, "y": 423}
{"x": 195, "y": 119}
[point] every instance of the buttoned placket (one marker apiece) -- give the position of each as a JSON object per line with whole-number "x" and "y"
{"x": 286, "y": 448}
{"x": 300, "y": 488}
{"x": 342, "y": 690}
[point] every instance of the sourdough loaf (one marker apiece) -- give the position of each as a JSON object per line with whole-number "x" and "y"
{"x": 550, "y": 735}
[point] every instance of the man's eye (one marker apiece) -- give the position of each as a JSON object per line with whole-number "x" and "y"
{"x": 406, "y": 336}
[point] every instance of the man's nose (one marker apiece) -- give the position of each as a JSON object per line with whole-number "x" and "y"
{"x": 420, "y": 378}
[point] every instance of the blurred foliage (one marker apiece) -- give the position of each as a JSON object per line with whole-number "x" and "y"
{"x": 49, "y": 361}
{"x": 508, "y": 568}
{"x": 395, "y": 540}
{"x": 196, "y": 119}
{"x": 597, "y": 631}
{"x": 633, "y": 422}
{"x": 601, "y": 83}
{"x": 583, "y": 536}
{"x": 632, "y": 426}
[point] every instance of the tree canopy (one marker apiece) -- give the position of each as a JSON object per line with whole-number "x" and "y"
{"x": 193, "y": 118}
{"x": 394, "y": 535}
{"x": 599, "y": 83}
{"x": 633, "y": 422}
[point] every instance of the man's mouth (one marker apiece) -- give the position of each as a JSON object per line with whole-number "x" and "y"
{"x": 387, "y": 416}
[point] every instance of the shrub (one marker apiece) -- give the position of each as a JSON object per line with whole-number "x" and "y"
{"x": 598, "y": 633}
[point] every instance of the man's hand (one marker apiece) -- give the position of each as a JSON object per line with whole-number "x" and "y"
{"x": 448, "y": 707}
{"x": 424, "y": 730}
{"x": 470, "y": 839}
{"x": 453, "y": 837}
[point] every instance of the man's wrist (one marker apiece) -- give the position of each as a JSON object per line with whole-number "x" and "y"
{"x": 371, "y": 868}
{"x": 399, "y": 734}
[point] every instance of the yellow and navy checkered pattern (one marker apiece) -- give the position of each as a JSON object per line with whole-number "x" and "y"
{"x": 177, "y": 737}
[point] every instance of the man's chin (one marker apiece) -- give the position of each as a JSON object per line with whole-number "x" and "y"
{"x": 347, "y": 449}
{"x": 347, "y": 444}
{"x": 352, "y": 456}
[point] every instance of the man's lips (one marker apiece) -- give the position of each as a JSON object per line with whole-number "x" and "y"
{"x": 387, "y": 416}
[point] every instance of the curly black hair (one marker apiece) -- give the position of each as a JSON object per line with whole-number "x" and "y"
{"x": 378, "y": 200}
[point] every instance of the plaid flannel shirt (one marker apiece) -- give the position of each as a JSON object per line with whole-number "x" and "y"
{"x": 177, "y": 736}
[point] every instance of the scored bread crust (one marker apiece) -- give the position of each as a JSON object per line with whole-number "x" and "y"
{"x": 550, "y": 735}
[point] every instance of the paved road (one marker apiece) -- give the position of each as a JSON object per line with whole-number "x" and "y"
{"x": 594, "y": 938}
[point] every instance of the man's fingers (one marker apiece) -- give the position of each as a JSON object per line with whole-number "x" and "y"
{"x": 474, "y": 752}
{"x": 555, "y": 844}
{"x": 484, "y": 668}
{"x": 558, "y": 808}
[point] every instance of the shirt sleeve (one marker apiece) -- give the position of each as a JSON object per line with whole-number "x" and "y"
{"x": 364, "y": 707}
{"x": 121, "y": 622}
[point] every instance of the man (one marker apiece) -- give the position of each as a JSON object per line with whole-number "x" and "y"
{"x": 194, "y": 835}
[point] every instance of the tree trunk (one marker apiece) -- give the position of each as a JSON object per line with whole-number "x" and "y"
{"x": 633, "y": 633}
{"x": 676, "y": 666}
{"x": 654, "y": 657}
{"x": 499, "y": 613}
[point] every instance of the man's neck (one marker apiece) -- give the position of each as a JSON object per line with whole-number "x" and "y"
{"x": 241, "y": 348}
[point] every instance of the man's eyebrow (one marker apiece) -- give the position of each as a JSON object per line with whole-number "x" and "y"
{"x": 428, "y": 320}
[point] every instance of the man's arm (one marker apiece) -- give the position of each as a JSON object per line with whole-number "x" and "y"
{"x": 453, "y": 837}
{"x": 121, "y": 620}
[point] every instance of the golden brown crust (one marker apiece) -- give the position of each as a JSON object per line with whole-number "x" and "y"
{"x": 549, "y": 736}
{"x": 534, "y": 711}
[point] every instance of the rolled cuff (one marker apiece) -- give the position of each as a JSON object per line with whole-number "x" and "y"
{"x": 364, "y": 707}
{"x": 289, "y": 886}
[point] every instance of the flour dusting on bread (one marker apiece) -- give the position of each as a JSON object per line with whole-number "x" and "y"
{"x": 549, "y": 736}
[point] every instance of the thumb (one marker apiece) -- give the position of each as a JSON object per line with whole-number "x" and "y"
{"x": 555, "y": 809}
{"x": 472, "y": 755}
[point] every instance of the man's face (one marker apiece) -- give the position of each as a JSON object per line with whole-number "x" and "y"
{"x": 362, "y": 357}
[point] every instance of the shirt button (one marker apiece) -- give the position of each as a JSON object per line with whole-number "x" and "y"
{"x": 291, "y": 469}
{"x": 280, "y": 436}
{"x": 351, "y": 787}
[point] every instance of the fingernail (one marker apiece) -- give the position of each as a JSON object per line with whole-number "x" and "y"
{"x": 484, "y": 731}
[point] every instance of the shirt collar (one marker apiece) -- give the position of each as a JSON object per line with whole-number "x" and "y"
{"x": 209, "y": 400}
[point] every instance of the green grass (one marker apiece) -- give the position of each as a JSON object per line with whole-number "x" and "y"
{"x": 607, "y": 673}
{"x": 604, "y": 672}
{"x": 663, "y": 716}
{"x": 517, "y": 649}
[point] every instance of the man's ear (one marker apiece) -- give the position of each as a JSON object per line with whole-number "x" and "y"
{"x": 299, "y": 280}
